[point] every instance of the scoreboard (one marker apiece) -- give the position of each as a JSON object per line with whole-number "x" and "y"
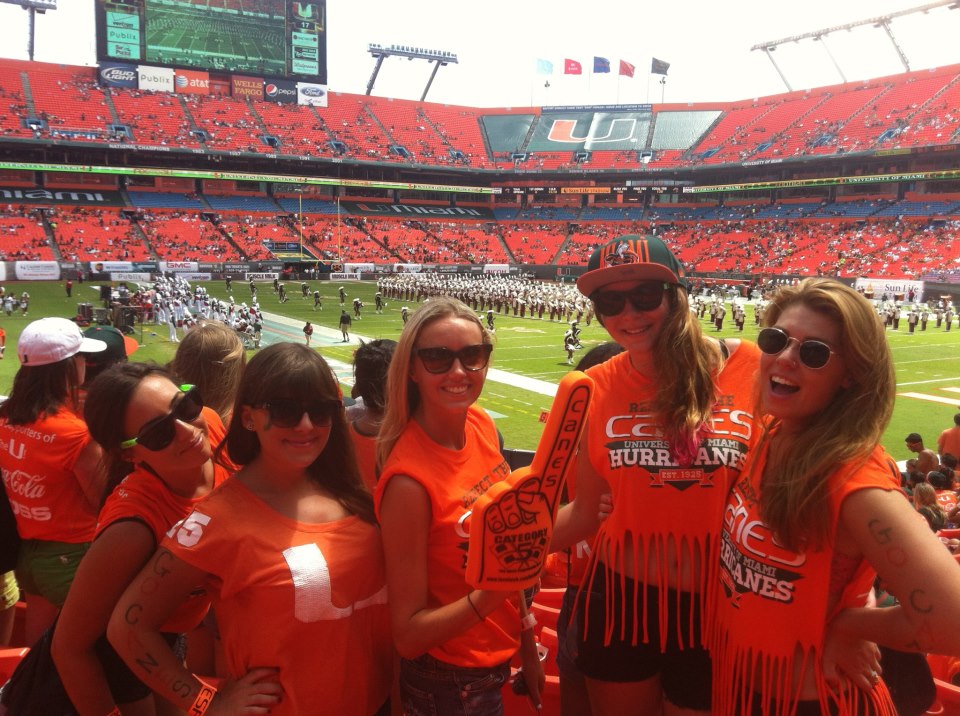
{"x": 269, "y": 38}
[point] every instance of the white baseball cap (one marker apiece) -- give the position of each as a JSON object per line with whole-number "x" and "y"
{"x": 51, "y": 340}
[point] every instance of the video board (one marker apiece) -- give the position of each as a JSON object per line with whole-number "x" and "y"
{"x": 267, "y": 38}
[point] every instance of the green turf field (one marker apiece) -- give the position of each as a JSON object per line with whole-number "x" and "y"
{"x": 928, "y": 363}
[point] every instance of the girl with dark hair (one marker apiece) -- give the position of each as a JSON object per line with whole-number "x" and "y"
{"x": 50, "y": 465}
{"x": 438, "y": 453}
{"x": 158, "y": 453}
{"x": 371, "y": 361}
{"x": 291, "y": 554}
{"x": 816, "y": 514}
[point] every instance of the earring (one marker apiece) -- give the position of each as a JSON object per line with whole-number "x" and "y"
{"x": 249, "y": 426}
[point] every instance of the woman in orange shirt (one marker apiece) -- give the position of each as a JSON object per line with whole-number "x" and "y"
{"x": 50, "y": 465}
{"x": 160, "y": 474}
{"x": 438, "y": 453}
{"x": 290, "y": 552}
{"x": 816, "y": 514}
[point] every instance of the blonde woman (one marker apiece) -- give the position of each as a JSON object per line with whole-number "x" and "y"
{"x": 211, "y": 357}
{"x": 438, "y": 453}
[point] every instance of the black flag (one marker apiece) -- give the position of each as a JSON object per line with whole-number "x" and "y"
{"x": 659, "y": 67}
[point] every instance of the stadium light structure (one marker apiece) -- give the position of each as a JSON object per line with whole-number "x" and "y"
{"x": 32, "y": 7}
{"x": 882, "y": 22}
{"x": 438, "y": 57}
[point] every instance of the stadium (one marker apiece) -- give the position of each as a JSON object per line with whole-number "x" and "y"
{"x": 197, "y": 149}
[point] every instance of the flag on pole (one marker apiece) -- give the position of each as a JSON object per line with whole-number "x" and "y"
{"x": 626, "y": 69}
{"x": 659, "y": 67}
{"x": 601, "y": 65}
{"x": 544, "y": 67}
{"x": 572, "y": 67}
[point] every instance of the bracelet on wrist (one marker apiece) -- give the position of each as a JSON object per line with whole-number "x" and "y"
{"x": 114, "y": 712}
{"x": 474, "y": 607}
{"x": 203, "y": 700}
{"x": 528, "y": 622}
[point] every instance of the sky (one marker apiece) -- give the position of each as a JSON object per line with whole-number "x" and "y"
{"x": 498, "y": 43}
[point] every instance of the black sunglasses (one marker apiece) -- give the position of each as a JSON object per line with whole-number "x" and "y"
{"x": 160, "y": 432}
{"x": 289, "y": 413}
{"x": 813, "y": 354}
{"x": 440, "y": 360}
{"x": 643, "y": 297}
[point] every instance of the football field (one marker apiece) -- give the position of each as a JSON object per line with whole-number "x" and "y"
{"x": 928, "y": 362}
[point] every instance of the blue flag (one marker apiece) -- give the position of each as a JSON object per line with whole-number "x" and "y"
{"x": 544, "y": 67}
{"x": 601, "y": 64}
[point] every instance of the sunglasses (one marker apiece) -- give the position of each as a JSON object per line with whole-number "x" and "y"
{"x": 813, "y": 354}
{"x": 160, "y": 432}
{"x": 440, "y": 360}
{"x": 289, "y": 413}
{"x": 643, "y": 297}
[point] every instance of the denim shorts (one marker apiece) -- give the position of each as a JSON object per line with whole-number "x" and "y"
{"x": 430, "y": 687}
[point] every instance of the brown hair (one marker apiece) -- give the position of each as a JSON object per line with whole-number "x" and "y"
{"x": 794, "y": 494}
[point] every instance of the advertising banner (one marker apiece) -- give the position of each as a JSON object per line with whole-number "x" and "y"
{"x": 192, "y": 82}
{"x": 178, "y": 266}
{"x": 156, "y": 79}
{"x": 116, "y": 74}
{"x": 496, "y": 268}
{"x": 358, "y": 268}
{"x": 263, "y": 276}
{"x": 130, "y": 276}
{"x": 891, "y": 289}
{"x": 344, "y": 276}
{"x": 110, "y": 266}
{"x": 36, "y": 270}
{"x": 284, "y": 91}
{"x": 407, "y": 268}
{"x": 241, "y": 86}
{"x": 308, "y": 93}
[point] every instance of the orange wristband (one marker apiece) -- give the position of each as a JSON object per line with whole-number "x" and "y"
{"x": 203, "y": 700}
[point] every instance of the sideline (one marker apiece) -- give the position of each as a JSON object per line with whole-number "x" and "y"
{"x": 281, "y": 328}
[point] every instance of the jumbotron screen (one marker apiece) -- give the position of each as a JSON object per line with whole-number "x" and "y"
{"x": 274, "y": 38}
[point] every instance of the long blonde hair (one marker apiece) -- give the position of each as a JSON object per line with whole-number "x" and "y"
{"x": 794, "y": 492}
{"x": 403, "y": 396}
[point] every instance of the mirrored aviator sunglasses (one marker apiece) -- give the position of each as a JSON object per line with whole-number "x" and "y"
{"x": 642, "y": 297}
{"x": 812, "y": 353}
{"x": 289, "y": 413}
{"x": 160, "y": 432}
{"x": 440, "y": 360}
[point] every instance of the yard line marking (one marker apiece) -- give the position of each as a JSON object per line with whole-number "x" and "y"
{"x": 934, "y": 380}
{"x": 930, "y": 398}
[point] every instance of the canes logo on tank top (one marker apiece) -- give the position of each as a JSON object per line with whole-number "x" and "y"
{"x": 634, "y": 438}
{"x": 751, "y": 560}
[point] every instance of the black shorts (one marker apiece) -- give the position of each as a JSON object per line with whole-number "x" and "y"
{"x": 685, "y": 674}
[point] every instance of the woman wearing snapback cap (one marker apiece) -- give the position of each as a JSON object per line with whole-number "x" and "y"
{"x": 668, "y": 430}
{"x": 50, "y": 465}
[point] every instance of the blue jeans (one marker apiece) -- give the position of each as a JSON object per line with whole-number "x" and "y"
{"x": 430, "y": 687}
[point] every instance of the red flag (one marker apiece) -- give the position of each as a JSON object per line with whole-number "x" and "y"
{"x": 626, "y": 69}
{"x": 572, "y": 67}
